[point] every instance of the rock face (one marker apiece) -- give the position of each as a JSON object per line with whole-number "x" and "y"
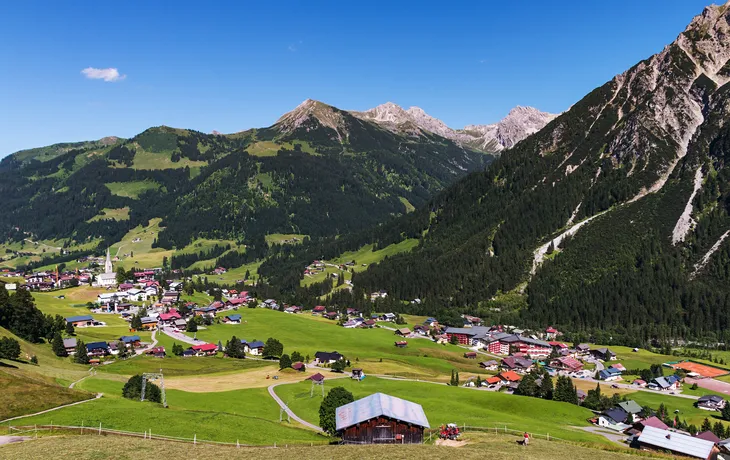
{"x": 519, "y": 123}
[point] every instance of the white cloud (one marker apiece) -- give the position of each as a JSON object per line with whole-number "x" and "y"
{"x": 111, "y": 74}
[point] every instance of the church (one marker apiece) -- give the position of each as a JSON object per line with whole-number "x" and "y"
{"x": 108, "y": 278}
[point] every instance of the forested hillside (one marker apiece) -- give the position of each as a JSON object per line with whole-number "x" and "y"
{"x": 311, "y": 178}
{"x": 613, "y": 217}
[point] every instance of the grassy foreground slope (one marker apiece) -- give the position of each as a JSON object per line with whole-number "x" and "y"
{"x": 250, "y": 416}
{"x": 494, "y": 447}
{"x": 22, "y": 394}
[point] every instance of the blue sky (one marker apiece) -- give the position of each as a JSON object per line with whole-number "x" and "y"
{"x": 231, "y": 66}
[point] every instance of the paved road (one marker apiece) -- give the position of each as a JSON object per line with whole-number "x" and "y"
{"x": 289, "y": 411}
{"x": 98, "y": 395}
{"x": 9, "y": 439}
{"x": 618, "y": 438}
{"x": 181, "y": 337}
{"x": 710, "y": 384}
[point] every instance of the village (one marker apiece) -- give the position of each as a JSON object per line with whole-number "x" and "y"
{"x": 503, "y": 357}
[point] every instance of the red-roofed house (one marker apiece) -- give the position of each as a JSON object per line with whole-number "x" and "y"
{"x": 298, "y": 366}
{"x": 316, "y": 378}
{"x": 551, "y": 333}
{"x": 653, "y": 422}
{"x": 205, "y": 349}
{"x": 492, "y": 380}
{"x": 509, "y": 376}
{"x": 567, "y": 363}
{"x": 319, "y": 309}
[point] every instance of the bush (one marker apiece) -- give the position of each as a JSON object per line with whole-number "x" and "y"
{"x": 9, "y": 348}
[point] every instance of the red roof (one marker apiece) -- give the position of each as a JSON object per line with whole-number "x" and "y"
{"x": 654, "y": 422}
{"x": 297, "y": 366}
{"x": 551, "y": 330}
{"x": 316, "y": 377}
{"x": 570, "y": 362}
{"x": 492, "y": 380}
{"x": 205, "y": 347}
{"x": 236, "y": 301}
{"x": 318, "y": 308}
{"x": 171, "y": 315}
{"x": 510, "y": 376}
{"x": 156, "y": 350}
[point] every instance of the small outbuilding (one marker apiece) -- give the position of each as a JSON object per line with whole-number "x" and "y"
{"x": 381, "y": 419}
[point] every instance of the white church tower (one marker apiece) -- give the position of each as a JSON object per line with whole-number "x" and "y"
{"x": 108, "y": 278}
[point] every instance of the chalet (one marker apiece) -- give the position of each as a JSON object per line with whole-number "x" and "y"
{"x": 431, "y": 322}
{"x": 603, "y": 354}
{"x": 639, "y": 383}
{"x": 619, "y": 367}
{"x": 70, "y": 345}
{"x": 567, "y": 363}
{"x": 470, "y": 355}
{"x": 324, "y": 357}
{"x": 551, "y": 333}
{"x": 493, "y": 381}
{"x": 176, "y": 286}
{"x": 583, "y": 349}
{"x": 169, "y": 317}
{"x": 157, "y": 352}
{"x": 319, "y": 309}
{"x": 189, "y": 352}
{"x": 652, "y": 421}
{"x": 631, "y": 407}
{"x": 378, "y": 295}
{"x": 206, "y": 349}
{"x": 420, "y": 329}
{"x": 149, "y": 323}
{"x": 352, "y": 311}
{"x": 558, "y": 346}
{"x": 256, "y": 347}
{"x": 170, "y": 297}
{"x": 381, "y": 419}
{"x": 470, "y": 321}
{"x": 401, "y": 344}
{"x": 299, "y": 366}
{"x": 114, "y": 347}
{"x": 107, "y": 298}
{"x": 218, "y": 305}
{"x": 708, "y": 436}
{"x": 711, "y": 402}
{"x": 137, "y": 295}
{"x": 331, "y": 315}
{"x": 232, "y": 319}
{"x": 505, "y": 344}
{"x": 369, "y": 324}
{"x": 80, "y": 321}
{"x": 390, "y": 317}
{"x": 668, "y": 383}
{"x": 614, "y": 419}
{"x": 97, "y": 349}
{"x": 517, "y": 364}
{"x": 609, "y": 374}
{"x": 316, "y": 378}
{"x": 490, "y": 365}
{"x": 676, "y": 443}
{"x": 509, "y": 376}
{"x": 351, "y": 324}
{"x": 204, "y": 311}
{"x": 292, "y": 310}
{"x": 180, "y": 323}
{"x": 404, "y": 331}
{"x": 130, "y": 340}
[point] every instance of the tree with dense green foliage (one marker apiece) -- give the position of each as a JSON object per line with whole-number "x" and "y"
{"x": 192, "y": 326}
{"x": 234, "y": 348}
{"x": 34, "y": 360}
{"x": 9, "y": 348}
{"x": 19, "y": 314}
{"x": 285, "y": 362}
{"x": 706, "y": 425}
{"x": 527, "y": 386}
{"x": 57, "y": 345}
{"x": 136, "y": 322}
{"x": 338, "y": 366}
{"x": 296, "y": 357}
{"x": 273, "y": 348}
{"x": 69, "y": 329}
{"x": 133, "y": 390}
{"x": 81, "y": 356}
{"x": 547, "y": 386}
{"x": 335, "y": 398}
{"x": 565, "y": 390}
{"x": 177, "y": 349}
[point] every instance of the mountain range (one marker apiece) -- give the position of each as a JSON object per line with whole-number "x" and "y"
{"x": 318, "y": 171}
{"x": 613, "y": 219}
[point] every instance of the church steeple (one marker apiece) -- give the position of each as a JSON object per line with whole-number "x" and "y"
{"x": 108, "y": 264}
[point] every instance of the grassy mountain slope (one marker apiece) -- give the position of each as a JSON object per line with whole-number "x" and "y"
{"x": 311, "y": 177}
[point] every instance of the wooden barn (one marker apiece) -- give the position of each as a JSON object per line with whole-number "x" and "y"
{"x": 381, "y": 419}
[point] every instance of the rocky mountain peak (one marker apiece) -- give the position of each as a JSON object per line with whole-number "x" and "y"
{"x": 310, "y": 110}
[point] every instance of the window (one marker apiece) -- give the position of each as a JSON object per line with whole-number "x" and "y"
{"x": 383, "y": 433}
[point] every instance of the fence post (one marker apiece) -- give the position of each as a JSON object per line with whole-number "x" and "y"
{"x": 145, "y": 434}
{"x": 82, "y": 427}
{"x": 36, "y": 431}
{"x": 548, "y": 436}
{"x": 274, "y": 444}
{"x": 237, "y": 445}
{"x": 99, "y": 428}
{"x": 505, "y": 428}
{"x": 195, "y": 439}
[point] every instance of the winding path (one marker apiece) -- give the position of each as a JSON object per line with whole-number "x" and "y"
{"x": 289, "y": 411}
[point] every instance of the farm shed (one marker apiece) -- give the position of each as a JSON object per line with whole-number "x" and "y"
{"x": 381, "y": 419}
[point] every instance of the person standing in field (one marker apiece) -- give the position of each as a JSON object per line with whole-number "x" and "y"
{"x": 526, "y": 439}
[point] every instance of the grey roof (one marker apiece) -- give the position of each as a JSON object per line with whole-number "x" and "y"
{"x": 676, "y": 442}
{"x": 73, "y": 319}
{"x": 69, "y": 343}
{"x": 616, "y": 414}
{"x": 476, "y": 331}
{"x": 710, "y": 398}
{"x": 380, "y": 404}
{"x": 630, "y": 406}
